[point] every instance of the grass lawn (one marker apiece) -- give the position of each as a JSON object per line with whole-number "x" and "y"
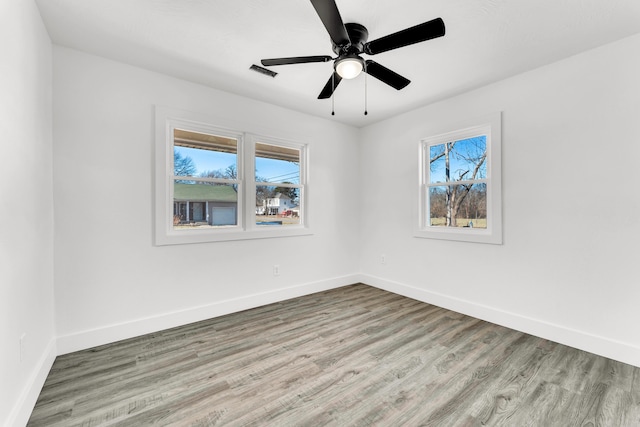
{"x": 460, "y": 222}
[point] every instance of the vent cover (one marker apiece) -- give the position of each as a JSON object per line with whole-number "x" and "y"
{"x": 264, "y": 71}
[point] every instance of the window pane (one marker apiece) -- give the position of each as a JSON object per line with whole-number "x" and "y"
{"x": 198, "y": 205}
{"x": 275, "y": 163}
{"x": 277, "y": 205}
{"x": 459, "y": 160}
{"x": 458, "y": 206}
{"x": 204, "y": 155}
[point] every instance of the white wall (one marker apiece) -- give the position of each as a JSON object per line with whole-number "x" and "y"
{"x": 26, "y": 209}
{"x": 571, "y": 153}
{"x": 111, "y": 281}
{"x": 570, "y": 141}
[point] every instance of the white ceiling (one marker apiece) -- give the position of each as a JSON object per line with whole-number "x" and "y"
{"x": 214, "y": 42}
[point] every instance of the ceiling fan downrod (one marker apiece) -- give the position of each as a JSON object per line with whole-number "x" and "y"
{"x": 333, "y": 104}
{"x": 365, "y": 89}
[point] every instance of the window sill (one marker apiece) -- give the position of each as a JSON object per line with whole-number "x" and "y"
{"x": 233, "y": 234}
{"x": 476, "y": 235}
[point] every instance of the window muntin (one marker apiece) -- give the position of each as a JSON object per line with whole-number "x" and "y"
{"x": 460, "y": 183}
{"x": 278, "y": 185}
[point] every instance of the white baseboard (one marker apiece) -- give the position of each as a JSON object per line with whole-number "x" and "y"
{"x": 617, "y": 350}
{"x": 108, "y": 334}
{"x": 21, "y": 412}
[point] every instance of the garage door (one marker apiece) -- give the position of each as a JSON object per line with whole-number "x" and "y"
{"x": 224, "y": 216}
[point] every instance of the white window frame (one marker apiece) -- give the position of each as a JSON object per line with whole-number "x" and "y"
{"x": 168, "y": 119}
{"x": 491, "y": 126}
{"x": 252, "y": 140}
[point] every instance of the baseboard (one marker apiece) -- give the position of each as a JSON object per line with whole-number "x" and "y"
{"x": 112, "y": 333}
{"x": 21, "y": 412}
{"x": 617, "y": 350}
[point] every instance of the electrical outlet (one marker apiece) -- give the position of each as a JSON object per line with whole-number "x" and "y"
{"x": 276, "y": 270}
{"x": 383, "y": 259}
{"x": 23, "y": 355}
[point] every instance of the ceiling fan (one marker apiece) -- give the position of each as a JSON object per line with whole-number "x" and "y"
{"x": 350, "y": 42}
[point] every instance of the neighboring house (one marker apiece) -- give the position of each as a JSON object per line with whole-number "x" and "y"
{"x": 213, "y": 204}
{"x": 277, "y": 204}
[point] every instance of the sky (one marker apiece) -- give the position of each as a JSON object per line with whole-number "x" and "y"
{"x": 271, "y": 169}
{"x": 458, "y": 160}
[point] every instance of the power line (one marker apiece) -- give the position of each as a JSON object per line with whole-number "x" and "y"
{"x": 290, "y": 175}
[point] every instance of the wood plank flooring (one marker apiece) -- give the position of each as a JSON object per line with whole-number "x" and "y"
{"x": 354, "y": 356}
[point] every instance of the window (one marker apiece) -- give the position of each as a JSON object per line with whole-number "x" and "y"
{"x": 206, "y": 188}
{"x": 460, "y": 183}
{"x": 215, "y": 184}
{"x": 278, "y": 189}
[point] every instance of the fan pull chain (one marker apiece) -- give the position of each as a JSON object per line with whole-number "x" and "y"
{"x": 333, "y": 87}
{"x": 365, "y": 89}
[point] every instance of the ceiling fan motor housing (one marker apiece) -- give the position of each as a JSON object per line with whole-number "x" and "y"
{"x": 358, "y": 36}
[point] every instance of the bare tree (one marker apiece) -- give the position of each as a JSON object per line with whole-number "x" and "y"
{"x": 230, "y": 172}
{"x": 183, "y": 165}
{"x": 470, "y": 156}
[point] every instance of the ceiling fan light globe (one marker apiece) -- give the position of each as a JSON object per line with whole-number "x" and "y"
{"x": 349, "y": 68}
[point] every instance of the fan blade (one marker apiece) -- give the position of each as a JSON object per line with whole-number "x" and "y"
{"x": 328, "y": 12}
{"x": 295, "y": 60}
{"x": 422, "y": 32}
{"x": 385, "y": 75}
{"x": 331, "y": 86}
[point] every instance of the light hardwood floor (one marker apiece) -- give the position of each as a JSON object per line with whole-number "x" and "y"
{"x": 354, "y": 356}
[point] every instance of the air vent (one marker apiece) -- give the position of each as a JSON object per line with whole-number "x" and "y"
{"x": 264, "y": 71}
